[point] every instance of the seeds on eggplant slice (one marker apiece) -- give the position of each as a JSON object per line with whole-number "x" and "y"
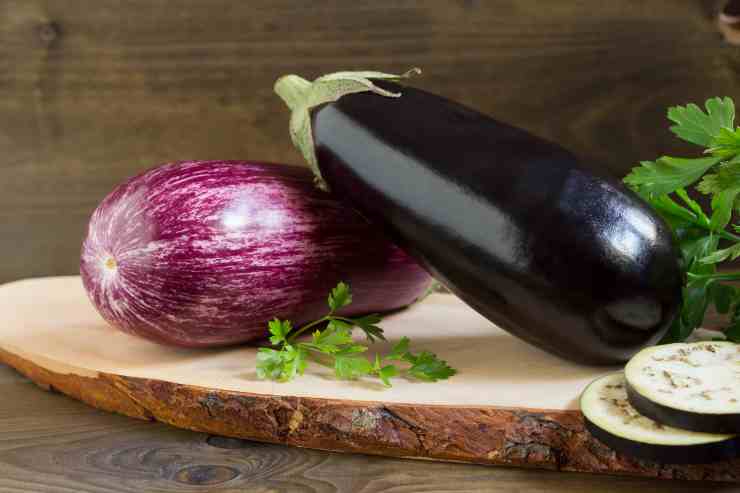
{"x": 694, "y": 386}
{"x": 612, "y": 420}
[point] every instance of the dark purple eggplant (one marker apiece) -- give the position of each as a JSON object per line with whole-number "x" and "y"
{"x": 569, "y": 261}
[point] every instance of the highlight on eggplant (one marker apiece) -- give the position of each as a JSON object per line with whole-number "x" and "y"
{"x": 205, "y": 253}
{"x": 694, "y": 386}
{"x": 569, "y": 261}
{"x": 610, "y": 418}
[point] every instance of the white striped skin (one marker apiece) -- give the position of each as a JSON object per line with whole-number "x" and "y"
{"x": 202, "y": 254}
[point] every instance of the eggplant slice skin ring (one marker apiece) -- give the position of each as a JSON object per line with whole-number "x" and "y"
{"x": 694, "y": 386}
{"x": 610, "y": 418}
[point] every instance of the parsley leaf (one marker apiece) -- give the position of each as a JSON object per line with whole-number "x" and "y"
{"x": 668, "y": 174}
{"x": 696, "y": 303}
{"x": 697, "y": 127}
{"x": 400, "y": 350}
{"x": 279, "y": 330}
{"x": 427, "y": 366}
{"x": 351, "y": 367}
{"x": 269, "y": 363}
{"x": 281, "y": 365}
{"x": 336, "y": 334}
{"x": 368, "y": 324}
{"x": 339, "y": 297}
{"x": 294, "y": 362}
{"x": 725, "y": 177}
{"x": 386, "y": 373}
{"x": 692, "y": 204}
{"x": 703, "y": 237}
{"x": 726, "y": 144}
{"x": 717, "y": 256}
{"x": 424, "y": 366}
{"x": 335, "y": 347}
{"x": 695, "y": 249}
{"x": 677, "y": 216}
{"x": 722, "y": 205}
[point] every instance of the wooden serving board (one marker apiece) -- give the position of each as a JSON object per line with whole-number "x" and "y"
{"x": 511, "y": 404}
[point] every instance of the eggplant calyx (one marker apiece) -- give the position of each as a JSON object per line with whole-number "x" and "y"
{"x": 301, "y": 95}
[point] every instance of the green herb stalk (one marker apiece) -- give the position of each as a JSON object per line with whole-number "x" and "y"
{"x": 707, "y": 239}
{"x": 333, "y": 346}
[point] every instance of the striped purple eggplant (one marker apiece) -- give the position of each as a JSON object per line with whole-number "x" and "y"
{"x": 204, "y": 253}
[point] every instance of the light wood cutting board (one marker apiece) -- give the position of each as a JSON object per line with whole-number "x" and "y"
{"x": 510, "y": 403}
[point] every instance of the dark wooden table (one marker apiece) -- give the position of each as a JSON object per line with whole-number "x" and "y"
{"x": 49, "y": 442}
{"x": 92, "y": 91}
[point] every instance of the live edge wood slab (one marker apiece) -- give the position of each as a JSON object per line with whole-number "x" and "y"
{"x": 509, "y": 405}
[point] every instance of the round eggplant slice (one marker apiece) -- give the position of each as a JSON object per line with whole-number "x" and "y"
{"x": 693, "y": 386}
{"x": 613, "y": 421}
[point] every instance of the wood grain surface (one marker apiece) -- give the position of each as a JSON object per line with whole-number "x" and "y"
{"x": 49, "y": 442}
{"x": 519, "y": 409}
{"x": 92, "y": 91}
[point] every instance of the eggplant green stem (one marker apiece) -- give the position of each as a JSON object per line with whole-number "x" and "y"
{"x": 293, "y": 89}
{"x": 301, "y": 95}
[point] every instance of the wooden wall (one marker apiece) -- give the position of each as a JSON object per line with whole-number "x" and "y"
{"x": 92, "y": 91}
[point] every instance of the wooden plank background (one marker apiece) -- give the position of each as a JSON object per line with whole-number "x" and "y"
{"x": 93, "y": 91}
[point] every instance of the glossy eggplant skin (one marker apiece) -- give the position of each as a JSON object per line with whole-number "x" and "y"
{"x": 569, "y": 261}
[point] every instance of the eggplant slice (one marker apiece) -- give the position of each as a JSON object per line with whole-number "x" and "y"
{"x": 693, "y": 386}
{"x": 612, "y": 420}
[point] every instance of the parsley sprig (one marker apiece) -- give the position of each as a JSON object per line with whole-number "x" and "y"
{"x": 334, "y": 346}
{"x": 706, "y": 238}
